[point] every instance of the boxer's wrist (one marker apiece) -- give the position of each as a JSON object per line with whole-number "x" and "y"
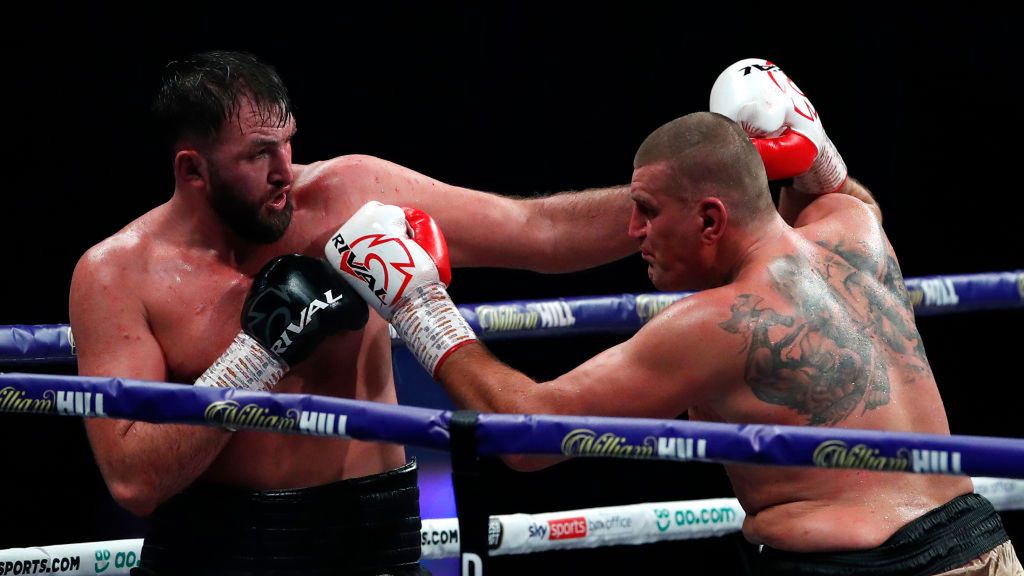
{"x": 826, "y": 175}
{"x": 430, "y": 325}
{"x": 246, "y": 364}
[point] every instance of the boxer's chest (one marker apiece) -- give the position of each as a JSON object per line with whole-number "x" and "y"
{"x": 195, "y": 319}
{"x": 195, "y": 301}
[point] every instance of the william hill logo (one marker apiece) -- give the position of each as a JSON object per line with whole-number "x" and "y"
{"x": 838, "y": 454}
{"x": 15, "y": 400}
{"x": 650, "y": 305}
{"x": 935, "y": 292}
{"x": 230, "y": 414}
{"x": 513, "y": 317}
{"x": 65, "y": 402}
{"x": 584, "y": 442}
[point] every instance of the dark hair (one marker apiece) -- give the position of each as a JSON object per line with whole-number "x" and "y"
{"x": 710, "y": 154}
{"x": 199, "y": 94}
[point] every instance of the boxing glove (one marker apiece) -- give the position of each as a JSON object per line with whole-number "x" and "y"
{"x": 397, "y": 260}
{"x": 294, "y": 303}
{"x": 782, "y": 123}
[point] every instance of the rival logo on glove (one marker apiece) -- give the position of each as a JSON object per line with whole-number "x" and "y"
{"x": 772, "y": 70}
{"x": 305, "y": 318}
{"x": 766, "y": 67}
{"x": 392, "y": 253}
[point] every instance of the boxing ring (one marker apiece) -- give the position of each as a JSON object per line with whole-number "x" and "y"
{"x": 995, "y": 464}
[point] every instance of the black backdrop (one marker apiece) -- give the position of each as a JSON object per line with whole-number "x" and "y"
{"x": 516, "y": 99}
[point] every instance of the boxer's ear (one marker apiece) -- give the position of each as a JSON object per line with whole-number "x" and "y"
{"x": 190, "y": 168}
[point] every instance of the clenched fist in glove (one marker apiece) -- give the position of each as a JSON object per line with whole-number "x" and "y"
{"x": 397, "y": 260}
{"x": 295, "y": 303}
{"x": 782, "y": 123}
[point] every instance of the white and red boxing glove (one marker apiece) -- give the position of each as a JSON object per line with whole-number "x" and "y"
{"x": 397, "y": 260}
{"x": 782, "y": 124}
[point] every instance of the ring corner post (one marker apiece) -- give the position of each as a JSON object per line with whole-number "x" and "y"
{"x": 473, "y": 516}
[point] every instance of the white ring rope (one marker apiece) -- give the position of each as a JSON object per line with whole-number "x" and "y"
{"x": 509, "y": 534}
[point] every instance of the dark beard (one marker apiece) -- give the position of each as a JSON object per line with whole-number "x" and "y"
{"x": 246, "y": 219}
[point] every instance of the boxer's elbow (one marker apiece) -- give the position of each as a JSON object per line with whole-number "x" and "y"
{"x": 134, "y": 496}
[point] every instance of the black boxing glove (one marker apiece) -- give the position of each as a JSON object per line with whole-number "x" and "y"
{"x": 294, "y": 303}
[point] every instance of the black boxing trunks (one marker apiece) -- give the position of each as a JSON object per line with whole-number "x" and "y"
{"x": 360, "y": 526}
{"x": 947, "y": 537}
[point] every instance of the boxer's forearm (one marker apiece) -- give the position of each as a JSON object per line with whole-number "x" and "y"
{"x": 583, "y": 229}
{"x": 792, "y": 202}
{"x": 144, "y": 464}
{"x": 475, "y": 379}
{"x": 563, "y": 232}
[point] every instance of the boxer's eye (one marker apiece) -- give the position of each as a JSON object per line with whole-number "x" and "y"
{"x": 645, "y": 209}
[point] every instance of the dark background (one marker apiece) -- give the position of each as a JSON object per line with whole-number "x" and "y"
{"x": 516, "y": 99}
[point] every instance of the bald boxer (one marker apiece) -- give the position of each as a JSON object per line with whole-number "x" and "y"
{"x": 801, "y": 318}
{"x": 162, "y": 299}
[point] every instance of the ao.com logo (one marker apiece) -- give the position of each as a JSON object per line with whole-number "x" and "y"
{"x": 120, "y": 560}
{"x": 665, "y": 518}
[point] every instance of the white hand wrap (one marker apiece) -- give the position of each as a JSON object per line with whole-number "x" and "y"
{"x": 246, "y": 364}
{"x": 827, "y": 173}
{"x": 377, "y": 256}
{"x": 430, "y": 325}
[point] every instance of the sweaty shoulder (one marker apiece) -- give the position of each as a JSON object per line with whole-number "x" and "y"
{"x": 697, "y": 318}
{"x": 836, "y": 209}
{"x": 693, "y": 341}
{"x": 116, "y": 260}
{"x": 348, "y": 182}
{"x": 355, "y": 178}
{"x": 846, "y": 226}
